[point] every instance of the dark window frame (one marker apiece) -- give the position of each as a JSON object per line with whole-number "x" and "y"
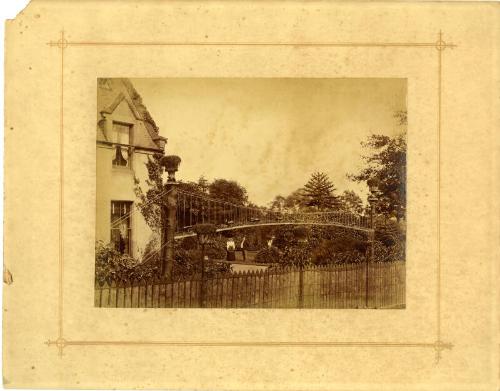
{"x": 118, "y": 160}
{"x": 121, "y": 214}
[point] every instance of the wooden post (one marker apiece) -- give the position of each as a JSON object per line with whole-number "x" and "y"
{"x": 301, "y": 286}
{"x": 371, "y": 238}
{"x": 368, "y": 256}
{"x": 202, "y": 282}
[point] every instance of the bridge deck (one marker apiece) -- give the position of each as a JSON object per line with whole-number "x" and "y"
{"x": 183, "y": 235}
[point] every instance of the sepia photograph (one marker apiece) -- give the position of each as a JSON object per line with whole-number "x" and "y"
{"x": 279, "y": 196}
{"x": 251, "y": 193}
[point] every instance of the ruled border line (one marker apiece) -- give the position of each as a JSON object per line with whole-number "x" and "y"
{"x": 60, "y": 342}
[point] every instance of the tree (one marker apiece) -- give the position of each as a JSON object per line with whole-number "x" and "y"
{"x": 386, "y": 166}
{"x": 401, "y": 117}
{"x": 151, "y": 201}
{"x": 318, "y": 192}
{"x": 229, "y": 191}
{"x": 203, "y": 184}
{"x": 190, "y": 187}
{"x": 295, "y": 200}
{"x": 351, "y": 202}
{"x": 278, "y": 204}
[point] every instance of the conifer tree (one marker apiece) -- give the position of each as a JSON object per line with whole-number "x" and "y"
{"x": 319, "y": 192}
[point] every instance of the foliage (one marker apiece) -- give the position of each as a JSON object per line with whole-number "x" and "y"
{"x": 203, "y": 184}
{"x": 110, "y": 265}
{"x": 295, "y": 200}
{"x": 319, "y": 192}
{"x": 191, "y": 187}
{"x": 278, "y": 204}
{"x": 151, "y": 247}
{"x": 384, "y": 253}
{"x": 351, "y": 202}
{"x": 204, "y": 229}
{"x": 187, "y": 257}
{"x": 150, "y": 202}
{"x": 284, "y": 237}
{"x": 301, "y": 245}
{"x": 229, "y": 191}
{"x": 388, "y": 232}
{"x": 300, "y": 233}
{"x": 216, "y": 250}
{"x": 319, "y": 197}
{"x": 328, "y": 253}
{"x": 187, "y": 263}
{"x": 401, "y": 117}
{"x": 113, "y": 266}
{"x": 295, "y": 256}
{"x": 268, "y": 255}
{"x": 188, "y": 243}
{"x": 326, "y": 245}
{"x": 386, "y": 165}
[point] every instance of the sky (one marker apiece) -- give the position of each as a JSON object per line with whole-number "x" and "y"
{"x": 270, "y": 135}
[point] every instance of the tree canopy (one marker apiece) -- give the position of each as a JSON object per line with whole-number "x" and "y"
{"x": 278, "y": 204}
{"x": 319, "y": 192}
{"x": 228, "y": 190}
{"x": 295, "y": 200}
{"x": 386, "y": 166}
{"x": 351, "y": 202}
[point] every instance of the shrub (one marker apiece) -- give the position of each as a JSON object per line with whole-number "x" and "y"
{"x": 187, "y": 265}
{"x": 204, "y": 229}
{"x": 151, "y": 246}
{"x": 388, "y": 232}
{"x": 300, "y": 233}
{"x": 284, "y": 237}
{"x": 112, "y": 266}
{"x": 383, "y": 253}
{"x": 189, "y": 243}
{"x": 268, "y": 255}
{"x": 295, "y": 256}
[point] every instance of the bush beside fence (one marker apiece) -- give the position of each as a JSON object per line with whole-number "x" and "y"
{"x": 330, "y": 286}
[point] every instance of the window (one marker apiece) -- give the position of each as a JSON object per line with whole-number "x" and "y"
{"x": 122, "y": 157}
{"x": 121, "y": 133}
{"x": 121, "y": 230}
{"x": 121, "y": 136}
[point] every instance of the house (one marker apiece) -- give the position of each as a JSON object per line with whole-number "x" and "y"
{"x": 126, "y": 136}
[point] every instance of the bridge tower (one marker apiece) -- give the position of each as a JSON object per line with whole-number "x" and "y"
{"x": 169, "y": 215}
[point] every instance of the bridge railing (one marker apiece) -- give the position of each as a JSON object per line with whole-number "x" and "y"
{"x": 195, "y": 209}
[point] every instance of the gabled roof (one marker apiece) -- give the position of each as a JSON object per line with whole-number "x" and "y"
{"x": 119, "y": 98}
{"x": 141, "y": 108}
{"x": 109, "y": 101}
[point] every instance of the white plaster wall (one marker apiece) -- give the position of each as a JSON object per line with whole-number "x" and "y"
{"x": 117, "y": 184}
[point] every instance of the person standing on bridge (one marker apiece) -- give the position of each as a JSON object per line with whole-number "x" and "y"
{"x": 230, "y": 247}
{"x": 242, "y": 248}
